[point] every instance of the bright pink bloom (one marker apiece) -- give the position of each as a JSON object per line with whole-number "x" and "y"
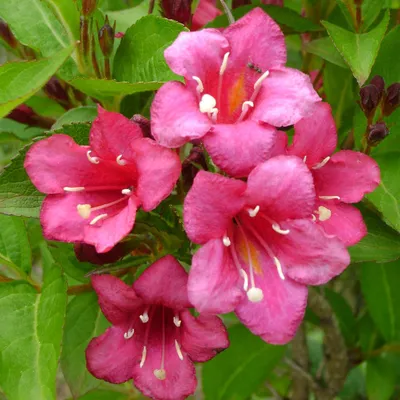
{"x": 342, "y": 178}
{"x": 94, "y": 191}
{"x": 154, "y": 338}
{"x": 236, "y": 82}
{"x": 259, "y": 239}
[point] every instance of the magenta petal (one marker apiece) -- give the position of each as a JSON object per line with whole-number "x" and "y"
{"x": 315, "y": 136}
{"x": 164, "y": 282}
{"x": 111, "y": 357}
{"x": 214, "y": 280}
{"x": 287, "y": 95}
{"x": 58, "y": 162}
{"x": 349, "y": 175}
{"x": 309, "y": 256}
{"x": 158, "y": 170}
{"x": 111, "y": 134}
{"x": 211, "y": 203}
{"x": 116, "y": 298}
{"x": 283, "y": 186}
{"x": 238, "y": 148}
{"x": 203, "y": 337}
{"x": 346, "y": 222}
{"x": 256, "y": 38}
{"x": 175, "y": 116}
{"x": 280, "y": 146}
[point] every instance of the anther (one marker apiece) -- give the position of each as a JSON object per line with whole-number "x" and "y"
{"x": 255, "y": 295}
{"x": 177, "y": 321}
{"x": 144, "y": 317}
{"x": 126, "y": 191}
{"x": 254, "y": 212}
{"x": 207, "y": 104}
{"x": 260, "y": 80}
{"x": 160, "y": 374}
{"x": 178, "y": 350}
{"x": 278, "y": 229}
{"x": 305, "y": 159}
{"x": 84, "y": 210}
{"x": 329, "y": 197}
{"x": 98, "y": 218}
{"x": 129, "y": 334}
{"x": 93, "y": 160}
{"x": 144, "y": 353}
{"x": 73, "y": 189}
{"x": 322, "y": 163}
{"x": 245, "y": 279}
{"x": 247, "y": 104}
{"x": 323, "y": 213}
{"x": 279, "y": 268}
{"x": 226, "y": 241}
{"x": 120, "y": 161}
{"x": 200, "y": 87}
{"x": 224, "y": 63}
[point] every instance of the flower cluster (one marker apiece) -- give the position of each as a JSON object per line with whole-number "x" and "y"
{"x": 274, "y": 218}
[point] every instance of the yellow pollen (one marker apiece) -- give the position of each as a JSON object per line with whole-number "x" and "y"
{"x": 324, "y": 213}
{"x": 253, "y": 255}
{"x": 160, "y": 374}
{"x": 237, "y": 94}
{"x": 84, "y": 210}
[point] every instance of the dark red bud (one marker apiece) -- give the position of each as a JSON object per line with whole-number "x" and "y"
{"x": 106, "y": 38}
{"x": 392, "y": 100}
{"x": 379, "y": 83}
{"x": 55, "y": 90}
{"x": 88, "y": 7}
{"x": 376, "y": 133}
{"x": 144, "y": 125}
{"x": 178, "y": 10}
{"x": 87, "y": 253}
{"x": 239, "y": 3}
{"x": 7, "y": 35}
{"x": 190, "y": 166}
{"x": 369, "y": 95}
{"x": 23, "y": 114}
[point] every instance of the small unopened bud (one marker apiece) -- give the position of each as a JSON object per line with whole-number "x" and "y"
{"x": 88, "y": 7}
{"x": 144, "y": 125}
{"x": 178, "y": 10}
{"x": 379, "y": 83}
{"x": 106, "y": 38}
{"x": 87, "y": 253}
{"x": 376, "y": 133}
{"x": 55, "y": 90}
{"x": 7, "y": 35}
{"x": 392, "y": 100}
{"x": 239, "y": 3}
{"x": 369, "y": 95}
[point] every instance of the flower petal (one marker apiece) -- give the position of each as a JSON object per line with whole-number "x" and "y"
{"x": 238, "y": 148}
{"x": 280, "y": 146}
{"x": 205, "y": 12}
{"x": 58, "y": 162}
{"x": 211, "y": 203}
{"x": 214, "y": 285}
{"x": 164, "y": 282}
{"x": 203, "y": 337}
{"x": 283, "y": 186}
{"x": 175, "y": 116}
{"x": 349, "y": 175}
{"x": 286, "y": 96}
{"x": 315, "y": 136}
{"x": 111, "y": 357}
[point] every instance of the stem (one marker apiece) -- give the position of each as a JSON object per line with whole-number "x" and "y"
{"x": 300, "y": 355}
{"x": 358, "y": 14}
{"x": 319, "y": 75}
{"x": 107, "y": 68}
{"x": 227, "y": 12}
{"x": 151, "y": 6}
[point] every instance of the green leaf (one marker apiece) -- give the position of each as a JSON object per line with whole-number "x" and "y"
{"x": 370, "y": 12}
{"x": 358, "y": 50}
{"x": 30, "y": 336}
{"x": 45, "y": 106}
{"x": 21, "y": 80}
{"x": 84, "y": 321}
{"x": 381, "y": 378}
{"x": 126, "y": 18}
{"x": 140, "y": 56}
{"x": 79, "y": 114}
{"x": 325, "y": 49}
{"x": 23, "y": 132}
{"x": 235, "y": 373}
{"x": 78, "y": 131}
{"x": 15, "y": 250}
{"x": 104, "y": 395}
{"x": 380, "y": 285}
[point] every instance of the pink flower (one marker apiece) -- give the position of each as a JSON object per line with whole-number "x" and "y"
{"x": 236, "y": 82}
{"x": 260, "y": 246}
{"x": 206, "y": 11}
{"x": 93, "y": 191}
{"x": 342, "y": 178}
{"x": 154, "y": 338}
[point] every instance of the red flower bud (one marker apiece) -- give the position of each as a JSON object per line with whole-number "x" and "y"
{"x": 392, "y": 100}
{"x": 144, "y": 125}
{"x": 379, "y": 83}
{"x": 178, "y": 10}
{"x": 106, "y": 38}
{"x": 376, "y": 133}
{"x": 7, "y": 35}
{"x": 55, "y": 90}
{"x": 370, "y": 98}
{"x": 88, "y": 7}
{"x": 87, "y": 253}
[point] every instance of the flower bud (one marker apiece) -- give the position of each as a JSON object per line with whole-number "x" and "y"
{"x": 376, "y": 133}
{"x": 88, "y": 7}
{"x": 106, "y": 38}
{"x": 55, "y": 90}
{"x": 87, "y": 253}
{"x": 7, "y": 35}
{"x": 392, "y": 100}
{"x": 379, "y": 83}
{"x": 144, "y": 125}
{"x": 239, "y": 3}
{"x": 369, "y": 95}
{"x": 178, "y": 10}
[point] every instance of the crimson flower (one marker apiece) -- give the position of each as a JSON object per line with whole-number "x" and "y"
{"x": 236, "y": 84}
{"x": 154, "y": 339}
{"x": 93, "y": 191}
{"x": 260, "y": 246}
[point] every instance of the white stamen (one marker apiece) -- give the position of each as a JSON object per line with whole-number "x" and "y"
{"x": 329, "y": 197}
{"x": 214, "y": 115}
{"x": 120, "y": 161}
{"x": 278, "y": 229}
{"x": 73, "y": 189}
{"x": 226, "y": 241}
{"x": 177, "y": 321}
{"x": 323, "y": 213}
{"x": 144, "y": 317}
{"x": 314, "y": 218}
{"x": 129, "y": 334}
{"x": 279, "y": 268}
{"x": 247, "y": 104}
{"x": 260, "y": 80}
{"x": 305, "y": 159}
{"x": 144, "y": 353}
{"x": 207, "y": 104}
{"x": 245, "y": 278}
{"x": 178, "y": 350}
{"x": 126, "y": 191}
{"x": 254, "y": 212}
{"x": 322, "y": 163}
{"x": 255, "y": 295}
{"x": 98, "y": 218}
{"x": 200, "y": 87}
{"x": 84, "y": 210}
{"x": 224, "y": 63}
{"x": 93, "y": 160}
{"x": 160, "y": 374}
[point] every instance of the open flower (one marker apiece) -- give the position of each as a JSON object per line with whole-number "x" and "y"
{"x": 93, "y": 191}
{"x": 236, "y": 84}
{"x": 154, "y": 338}
{"x": 261, "y": 246}
{"x": 342, "y": 178}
